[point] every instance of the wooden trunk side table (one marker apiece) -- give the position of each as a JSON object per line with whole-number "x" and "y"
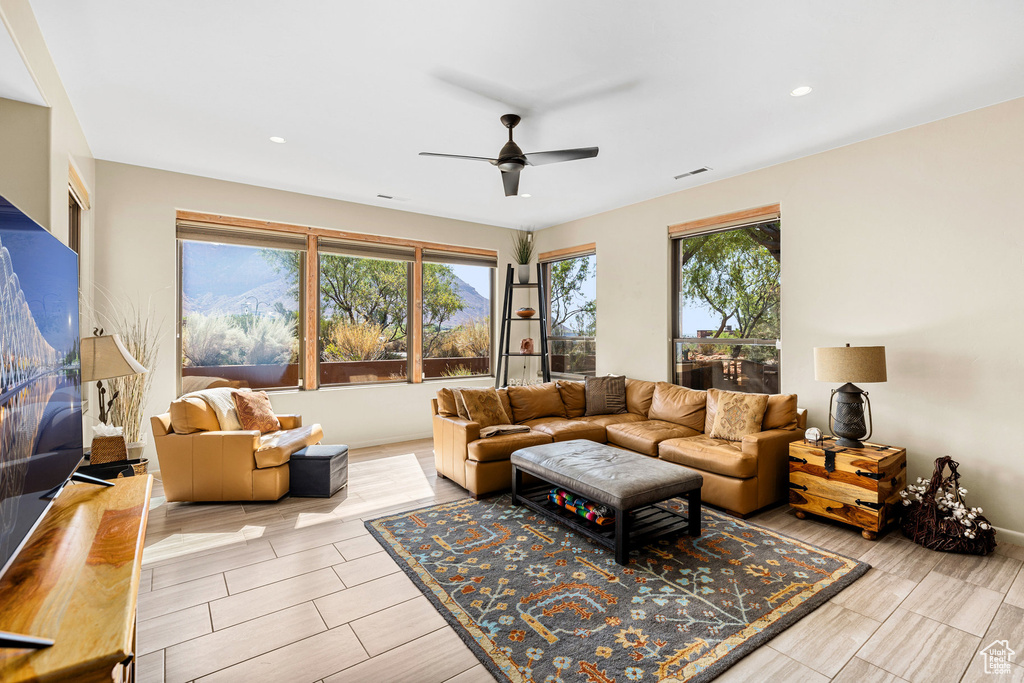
{"x": 859, "y": 486}
{"x": 77, "y": 581}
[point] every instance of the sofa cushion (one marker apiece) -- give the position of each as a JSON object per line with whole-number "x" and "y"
{"x": 535, "y": 400}
{"x": 644, "y": 437}
{"x": 483, "y": 406}
{"x": 567, "y": 430}
{"x": 446, "y": 406}
{"x": 605, "y": 420}
{"x": 738, "y": 414}
{"x": 574, "y": 396}
{"x": 710, "y": 455}
{"x": 638, "y": 396}
{"x": 780, "y": 413}
{"x": 190, "y": 414}
{"x": 505, "y": 403}
{"x": 501, "y": 447}
{"x": 606, "y": 395}
{"x": 680, "y": 405}
{"x": 277, "y": 447}
{"x": 255, "y": 411}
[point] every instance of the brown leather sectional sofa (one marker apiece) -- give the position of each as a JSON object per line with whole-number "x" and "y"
{"x": 662, "y": 420}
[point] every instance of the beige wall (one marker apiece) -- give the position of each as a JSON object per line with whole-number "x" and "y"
{"x": 912, "y": 240}
{"x": 137, "y": 259}
{"x": 25, "y": 157}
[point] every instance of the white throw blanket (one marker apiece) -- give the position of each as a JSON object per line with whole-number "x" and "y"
{"x": 223, "y": 405}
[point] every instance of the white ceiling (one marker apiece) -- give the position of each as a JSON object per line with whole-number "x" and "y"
{"x": 359, "y": 88}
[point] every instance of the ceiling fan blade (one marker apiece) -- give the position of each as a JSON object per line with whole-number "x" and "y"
{"x": 458, "y": 156}
{"x": 510, "y": 179}
{"x": 558, "y": 155}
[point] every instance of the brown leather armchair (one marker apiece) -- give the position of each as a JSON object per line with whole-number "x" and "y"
{"x": 214, "y": 465}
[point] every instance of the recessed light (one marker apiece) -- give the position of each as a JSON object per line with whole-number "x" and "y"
{"x": 278, "y": 140}
{"x": 526, "y": 195}
{"x": 801, "y": 91}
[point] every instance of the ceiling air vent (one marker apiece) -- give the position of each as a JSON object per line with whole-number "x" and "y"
{"x": 702, "y": 169}
{"x": 385, "y": 196}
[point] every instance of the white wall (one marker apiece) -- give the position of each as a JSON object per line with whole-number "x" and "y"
{"x": 912, "y": 240}
{"x": 137, "y": 260}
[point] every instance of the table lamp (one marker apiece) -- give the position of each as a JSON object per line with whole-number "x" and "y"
{"x": 849, "y": 364}
{"x": 104, "y": 357}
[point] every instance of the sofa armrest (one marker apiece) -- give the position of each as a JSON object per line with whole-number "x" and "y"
{"x": 161, "y": 424}
{"x": 276, "y": 448}
{"x": 801, "y": 418}
{"x": 290, "y": 421}
{"x": 452, "y": 436}
{"x": 772, "y": 451}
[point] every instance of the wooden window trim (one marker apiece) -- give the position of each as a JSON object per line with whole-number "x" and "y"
{"x": 78, "y": 188}
{"x": 568, "y": 252}
{"x": 727, "y": 220}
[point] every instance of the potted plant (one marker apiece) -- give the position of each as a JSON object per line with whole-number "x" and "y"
{"x": 522, "y": 251}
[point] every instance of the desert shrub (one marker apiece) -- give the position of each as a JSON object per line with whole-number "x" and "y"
{"x": 271, "y": 341}
{"x": 457, "y": 371}
{"x": 474, "y": 339}
{"x": 211, "y": 340}
{"x": 348, "y": 342}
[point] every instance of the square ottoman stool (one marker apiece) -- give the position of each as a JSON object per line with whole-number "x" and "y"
{"x": 318, "y": 471}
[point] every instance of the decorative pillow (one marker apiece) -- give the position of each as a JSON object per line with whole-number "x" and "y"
{"x": 780, "y": 413}
{"x": 536, "y": 400}
{"x": 255, "y": 411}
{"x": 738, "y": 415}
{"x": 574, "y": 396}
{"x": 680, "y": 405}
{"x": 446, "y": 403}
{"x": 483, "y": 407}
{"x": 190, "y": 414}
{"x": 638, "y": 396}
{"x": 460, "y": 405}
{"x": 505, "y": 403}
{"x": 606, "y": 395}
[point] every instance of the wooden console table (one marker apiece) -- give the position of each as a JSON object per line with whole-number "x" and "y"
{"x": 77, "y": 581}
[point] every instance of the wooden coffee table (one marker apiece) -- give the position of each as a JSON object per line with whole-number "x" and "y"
{"x": 629, "y": 483}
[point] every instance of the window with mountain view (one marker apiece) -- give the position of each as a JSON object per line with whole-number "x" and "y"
{"x": 727, "y": 309}
{"x": 456, "y": 317}
{"x": 240, "y": 314}
{"x": 571, "y": 285}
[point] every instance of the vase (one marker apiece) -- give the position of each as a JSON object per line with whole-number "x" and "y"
{"x": 523, "y": 273}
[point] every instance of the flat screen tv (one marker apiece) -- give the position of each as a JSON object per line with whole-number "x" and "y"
{"x": 40, "y": 389}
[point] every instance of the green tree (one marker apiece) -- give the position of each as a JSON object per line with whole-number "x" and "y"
{"x": 736, "y": 275}
{"x": 571, "y": 311}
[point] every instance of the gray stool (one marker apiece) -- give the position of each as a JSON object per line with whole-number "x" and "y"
{"x": 318, "y": 471}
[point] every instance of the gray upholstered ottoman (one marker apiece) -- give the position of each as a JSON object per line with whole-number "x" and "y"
{"x": 318, "y": 471}
{"x": 627, "y": 482}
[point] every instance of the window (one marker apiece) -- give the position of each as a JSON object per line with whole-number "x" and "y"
{"x": 457, "y": 305}
{"x": 274, "y": 305}
{"x": 74, "y": 224}
{"x": 241, "y": 304}
{"x": 364, "y": 312}
{"x": 727, "y": 295}
{"x": 571, "y": 285}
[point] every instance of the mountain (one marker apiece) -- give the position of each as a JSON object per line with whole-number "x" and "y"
{"x": 477, "y": 307}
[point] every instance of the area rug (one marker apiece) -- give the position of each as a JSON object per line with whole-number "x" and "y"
{"x": 537, "y": 602}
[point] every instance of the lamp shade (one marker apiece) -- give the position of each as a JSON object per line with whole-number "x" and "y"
{"x": 105, "y": 357}
{"x": 854, "y": 364}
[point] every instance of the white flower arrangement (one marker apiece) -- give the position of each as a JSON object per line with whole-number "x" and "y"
{"x": 950, "y": 500}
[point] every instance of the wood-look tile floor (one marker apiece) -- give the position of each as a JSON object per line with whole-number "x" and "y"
{"x": 298, "y": 591}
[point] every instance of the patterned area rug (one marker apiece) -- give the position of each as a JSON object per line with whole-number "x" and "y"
{"x": 538, "y": 602}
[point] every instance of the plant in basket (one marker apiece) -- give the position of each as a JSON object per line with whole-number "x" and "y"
{"x": 938, "y": 516}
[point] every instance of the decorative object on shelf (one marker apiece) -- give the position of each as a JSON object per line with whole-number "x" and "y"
{"x": 526, "y": 345}
{"x": 526, "y": 312}
{"x": 107, "y": 445}
{"x": 849, "y": 364}
{"x": 522, "y": 251}
{"x": 938, "y": 518}
{"x": 104, "y": 357}
{"x": 813, "y": 436}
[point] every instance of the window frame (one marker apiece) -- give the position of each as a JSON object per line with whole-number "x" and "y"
{"x": 708, "y": 226}
{"x": 546, "y": 259}
{"x": 309, "y": 289}
{"x": 491, "y": 364}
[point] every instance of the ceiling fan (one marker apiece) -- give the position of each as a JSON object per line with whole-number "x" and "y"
{"x": 511, "y": 159}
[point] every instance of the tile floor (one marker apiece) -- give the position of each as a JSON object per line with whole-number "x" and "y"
{"x": 298, "y": 591}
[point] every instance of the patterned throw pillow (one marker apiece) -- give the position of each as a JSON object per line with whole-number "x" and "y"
{"x": 482, "y": 406}
{"x": 606, "y": 395}
{"x": 738, "y": 415}
{"x": 255, "y": 411}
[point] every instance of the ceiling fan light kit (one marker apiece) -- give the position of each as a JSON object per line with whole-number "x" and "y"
{"x": 511, "y": 158}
